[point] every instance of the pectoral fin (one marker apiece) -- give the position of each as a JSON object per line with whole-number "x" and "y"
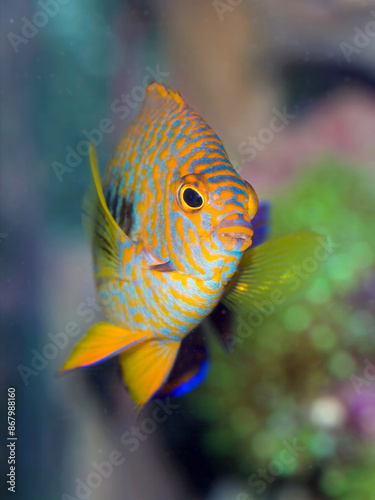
{"x": 271, "y": 268}
{"x": 100, "y": 342}
{"x": 146, "y": 366}
{"x": 108, "y": 238}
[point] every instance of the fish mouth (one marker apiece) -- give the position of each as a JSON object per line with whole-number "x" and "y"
{"x": 235, "y": 234}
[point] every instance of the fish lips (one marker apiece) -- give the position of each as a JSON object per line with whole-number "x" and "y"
{"x": 235, "y": 234}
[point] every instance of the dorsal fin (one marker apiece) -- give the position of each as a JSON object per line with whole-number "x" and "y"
{"x": 158, "y": 90}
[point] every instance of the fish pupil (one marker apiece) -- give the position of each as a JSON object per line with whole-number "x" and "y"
{"x": 192, "y": 198}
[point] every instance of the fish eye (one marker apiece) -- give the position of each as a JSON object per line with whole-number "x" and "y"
{"x": 191, "y": 197}
{"x": 253, "y": 202}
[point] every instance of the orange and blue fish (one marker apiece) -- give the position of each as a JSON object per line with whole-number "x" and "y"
{"x": 172, "y": 224}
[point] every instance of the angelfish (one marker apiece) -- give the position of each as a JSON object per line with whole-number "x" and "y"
{"x": 171, "y": 231}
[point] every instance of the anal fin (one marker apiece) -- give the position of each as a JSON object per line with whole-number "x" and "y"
{"x": 146, "y": 367}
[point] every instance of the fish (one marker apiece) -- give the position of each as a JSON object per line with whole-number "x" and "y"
{"x": 171, "y": 228}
